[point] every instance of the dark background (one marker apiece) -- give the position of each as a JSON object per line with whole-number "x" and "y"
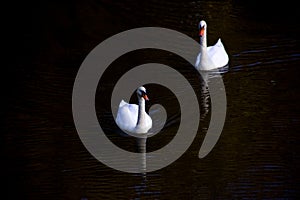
{"x": 44, "y": 44}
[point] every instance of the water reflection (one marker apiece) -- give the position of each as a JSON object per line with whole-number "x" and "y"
{"x": 207, "y": 76}
{"x": 142, "y": 150}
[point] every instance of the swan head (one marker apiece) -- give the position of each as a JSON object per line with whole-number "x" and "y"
{"x": 141, "y": 92}
{"x": 202, "y": 27}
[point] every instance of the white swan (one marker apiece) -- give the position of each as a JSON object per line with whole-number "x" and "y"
{"x": 211, "y": 57}
{"x": 133, "y": 118}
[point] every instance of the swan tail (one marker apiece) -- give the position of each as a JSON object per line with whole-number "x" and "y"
{"x": 122, "y": 103}
{"x": 219, "y": 43}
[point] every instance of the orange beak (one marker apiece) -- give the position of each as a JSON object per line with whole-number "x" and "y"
{"x": 145, "y": 97}
{"x": 201, "y": 31}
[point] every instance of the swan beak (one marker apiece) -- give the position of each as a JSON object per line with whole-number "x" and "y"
{"x": 145, "y": 97}
{"x": 201, "y": 31}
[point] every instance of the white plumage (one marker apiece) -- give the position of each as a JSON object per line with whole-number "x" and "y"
{"x": 133, "y": 118}
{"x": 211, "y": 57}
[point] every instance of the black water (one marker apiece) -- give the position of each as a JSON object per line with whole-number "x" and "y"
{"x": 256, "y": 156}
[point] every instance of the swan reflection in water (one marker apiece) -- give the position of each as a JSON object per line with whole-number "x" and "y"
{"x": 208, "y": 77}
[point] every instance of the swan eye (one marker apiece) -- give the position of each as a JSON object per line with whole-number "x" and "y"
{"x": 142, "y": 93}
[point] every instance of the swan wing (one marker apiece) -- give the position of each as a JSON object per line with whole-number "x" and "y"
{"x": 218, "y": 54}
{"x": 127, "y": 116}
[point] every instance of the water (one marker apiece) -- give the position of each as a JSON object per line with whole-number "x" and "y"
{"x": 256, "y": 157}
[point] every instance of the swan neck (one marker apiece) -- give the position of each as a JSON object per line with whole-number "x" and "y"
{"x": 203, "y": 39}
{"x": 141, "y": 113}
{"x": 203, "y": 43}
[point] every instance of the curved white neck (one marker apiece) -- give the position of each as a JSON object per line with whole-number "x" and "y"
{"x": 205, "y": 61}
{"x": 142, "y": 114}
{"x": 203, "y": 42}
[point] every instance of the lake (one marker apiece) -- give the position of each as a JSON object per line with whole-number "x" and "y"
{"x": 256, "y": 155}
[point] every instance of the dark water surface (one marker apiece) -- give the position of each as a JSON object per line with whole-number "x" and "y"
{"x": 256, "y": 156}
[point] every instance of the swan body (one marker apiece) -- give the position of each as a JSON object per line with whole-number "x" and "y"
{"x": 211, "y": 57}
{"x": 133, "y": 118}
